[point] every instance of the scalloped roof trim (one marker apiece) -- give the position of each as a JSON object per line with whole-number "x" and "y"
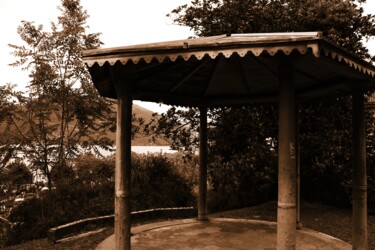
{"x": 342, "y": 58}
{"x": 124, "y": 59}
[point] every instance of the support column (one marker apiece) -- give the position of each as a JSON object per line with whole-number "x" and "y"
{"x": 298, "y": 173}
{"x": 286, "y": 210}
{"x": 360, "y": 241}
{"x": 123, "y": 168}
{"x": 203, "y": 152}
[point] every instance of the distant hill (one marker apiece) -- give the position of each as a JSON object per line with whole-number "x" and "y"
{"x": 140, "y": 139}
{"x": 142, "y": 112}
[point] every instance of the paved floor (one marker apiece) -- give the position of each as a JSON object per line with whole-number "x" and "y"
{"x": 220, "y": 233}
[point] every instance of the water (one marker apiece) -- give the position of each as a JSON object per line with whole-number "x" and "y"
{"x": 145, "y": 150}
{"x": 152, "y": 149}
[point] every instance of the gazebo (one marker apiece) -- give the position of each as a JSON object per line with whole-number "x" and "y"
{"x": 236, "y": 70}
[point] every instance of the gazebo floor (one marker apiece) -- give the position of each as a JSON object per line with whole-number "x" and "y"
{"x": 220, "y": 233}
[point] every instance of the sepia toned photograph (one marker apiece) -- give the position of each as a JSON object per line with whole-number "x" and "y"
{"x": 187, "y": 124}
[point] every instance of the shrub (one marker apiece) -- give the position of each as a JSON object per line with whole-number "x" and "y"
{"x": 28, "y": 222}
{"x": 156, "y": 182}
{"x": 241, "y": 181}
{"x": 67, "y": 203}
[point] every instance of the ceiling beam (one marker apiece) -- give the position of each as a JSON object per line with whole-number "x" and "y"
{"x": 187, "y": 77}
{"x": 216, "y": 70}
{"x": 245, "y": 78}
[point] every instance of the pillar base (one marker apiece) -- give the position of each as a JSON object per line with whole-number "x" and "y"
{"x": 204, "y": 219}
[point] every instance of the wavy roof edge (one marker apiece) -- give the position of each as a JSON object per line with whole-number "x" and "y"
{"x": 227, "y": 45}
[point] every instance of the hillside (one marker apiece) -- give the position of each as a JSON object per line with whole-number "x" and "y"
{"x": 142, "y": 112}
{"x": 139, "y": 140}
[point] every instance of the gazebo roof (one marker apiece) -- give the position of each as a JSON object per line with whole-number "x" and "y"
{"x": 225, "y": 70}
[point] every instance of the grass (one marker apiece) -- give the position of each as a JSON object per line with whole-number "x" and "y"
{"x": 330, "y": 220}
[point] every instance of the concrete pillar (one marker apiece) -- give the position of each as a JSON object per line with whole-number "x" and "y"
{"x": 360, "y": 241}
{"x": 203, "y": 152}
{"x": 123, "y": 168}
{"x": 298, "y": 173}
{"x": 286, "y": 210}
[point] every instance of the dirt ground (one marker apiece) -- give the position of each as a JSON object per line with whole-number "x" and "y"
{"x": 326, "y": 219}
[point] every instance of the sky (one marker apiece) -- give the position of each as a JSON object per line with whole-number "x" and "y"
{"x": 121, "y": 22}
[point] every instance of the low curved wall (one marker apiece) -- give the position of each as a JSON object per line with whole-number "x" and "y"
{"x": 57, "y": 233}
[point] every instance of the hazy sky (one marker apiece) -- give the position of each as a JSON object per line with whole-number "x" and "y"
{"x": 121, "y": 22}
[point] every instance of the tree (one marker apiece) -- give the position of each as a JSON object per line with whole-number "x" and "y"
{"x": 7, "y": 145}
{"x": 246, "y": 144}
{"x": 62, "y": 114}
{"x": 177, "y": 126}
{"x": 95, "y": 171}
{"x": 13, "y": 176}
{"x": 19, "y": 174}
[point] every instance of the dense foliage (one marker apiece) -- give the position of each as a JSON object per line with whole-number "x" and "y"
{"x": 157, "y": 182}
{"x": 8, "y": 148}
{"x": 243, "y": 153}
{"x": 15, "y": 180}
